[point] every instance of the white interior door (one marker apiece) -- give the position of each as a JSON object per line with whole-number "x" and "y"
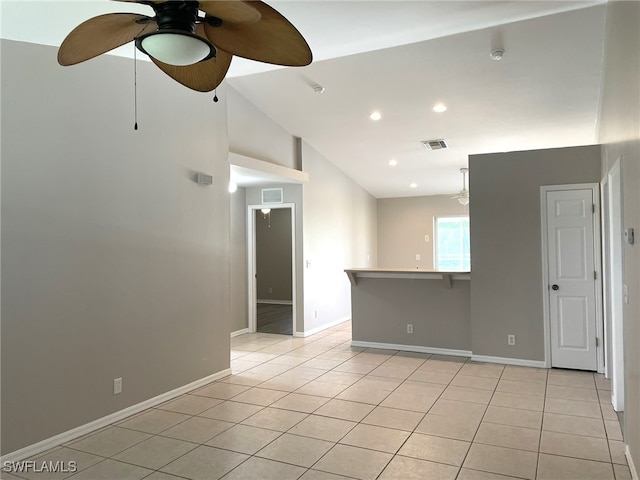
{"x": 571, "y": 278}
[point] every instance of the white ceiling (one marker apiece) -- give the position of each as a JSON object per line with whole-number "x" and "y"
{"x": 401, "y": 57}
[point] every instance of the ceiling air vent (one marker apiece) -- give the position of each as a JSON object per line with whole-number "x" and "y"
{"x": 435, "y": 144}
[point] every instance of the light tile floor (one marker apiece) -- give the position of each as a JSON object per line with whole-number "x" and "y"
{"x": 317, "y": 409}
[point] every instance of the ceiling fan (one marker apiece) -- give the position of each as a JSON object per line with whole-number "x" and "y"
{"x": 192, "y": 41}
{"x": 463, "y": 196}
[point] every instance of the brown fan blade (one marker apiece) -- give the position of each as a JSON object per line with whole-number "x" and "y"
{"x": 101, "y": 34}
{"x": 235, "y": 11}
{"x": 272, "y": 39}
{"x": 201, "y": 76}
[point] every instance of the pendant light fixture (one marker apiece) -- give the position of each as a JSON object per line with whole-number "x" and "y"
{"x": 266, "y": 214}
{"x": 463, "y": 196}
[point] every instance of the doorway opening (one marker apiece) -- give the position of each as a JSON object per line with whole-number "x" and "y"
{"x": 271, "y": 268}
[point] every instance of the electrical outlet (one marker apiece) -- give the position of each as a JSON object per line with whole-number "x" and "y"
{"x": 409, "y": 328}
{"x": 511, "y": 339}
{"x": 117, "y": 386}
{"x": 270, "y": 290}
{"x": 315, "y": 314}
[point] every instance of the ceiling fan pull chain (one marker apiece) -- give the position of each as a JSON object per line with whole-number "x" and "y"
{"x": 215, "y": 95}
{"x": 135, "y": 87}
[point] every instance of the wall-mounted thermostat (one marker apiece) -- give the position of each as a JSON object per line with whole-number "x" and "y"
{"x": 629, "y": 235}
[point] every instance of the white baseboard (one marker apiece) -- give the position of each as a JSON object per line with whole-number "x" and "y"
{"x": 509, "y": 361}
{"x": 77, "y": 432}
{"x": 276, "y": 302}
{"x": 448, "y": 351}
{"x": 632, "y": 466}
{"x": 412, "y": 348}
{"x": 242, "y": 331}
{"x": 308, "y": 333}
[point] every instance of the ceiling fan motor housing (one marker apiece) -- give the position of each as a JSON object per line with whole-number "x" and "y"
{"x": 176, "y": 15}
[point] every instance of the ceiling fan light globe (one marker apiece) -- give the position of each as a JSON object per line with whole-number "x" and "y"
{"x": 176, "y": 48}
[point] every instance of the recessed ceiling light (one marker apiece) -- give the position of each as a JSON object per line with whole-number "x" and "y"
{"x": 439, "y": 108}
{"x": 393, "y": 162}
{"x": 375, "y": 116}
{"x": 413, "y": 185}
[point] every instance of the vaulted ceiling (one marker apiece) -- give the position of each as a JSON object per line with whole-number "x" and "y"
{"x": 401, "y": 58}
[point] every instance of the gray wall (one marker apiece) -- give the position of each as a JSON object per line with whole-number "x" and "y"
{"x": 423, "y": 303}
{"x": 620, "y": 134}
{"x": 238, "y": 261}
{"x": 253, "y": 134}
{"x": 273, "y": 255}
{"x": 114, "y": 261}
{"x": 403, "y": 224}
{"x": 339, "y": 232}
{"x": 506, "y": 256}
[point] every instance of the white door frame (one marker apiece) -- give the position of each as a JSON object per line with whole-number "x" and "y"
{"x": 606, "y": 275}
{"x": 597, "y": 262}
{"x": 251, "y": 261}
{"x": 614, "y": 279}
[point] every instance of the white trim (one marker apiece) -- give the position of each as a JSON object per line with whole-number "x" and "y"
{"x": 313, "y": 331}
{"x": 275, "y": 302}
{"x": 546, "y": 321}
{"x": 447, "y": 351}
{"x": 632, "y": 466}
{"x": 269, "y": 172}
{"x": 614, "y": 263}
{"x": 237, "y": 333}
{"x": 605, "y": 247}
{"x": 509, "y": 361}
{"x": 412, "y": 348}
{"x": 72, "y": 434}
{"x": 597, "y": 255}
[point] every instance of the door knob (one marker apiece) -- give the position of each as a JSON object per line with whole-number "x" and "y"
{"x": 555, "y": 287}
